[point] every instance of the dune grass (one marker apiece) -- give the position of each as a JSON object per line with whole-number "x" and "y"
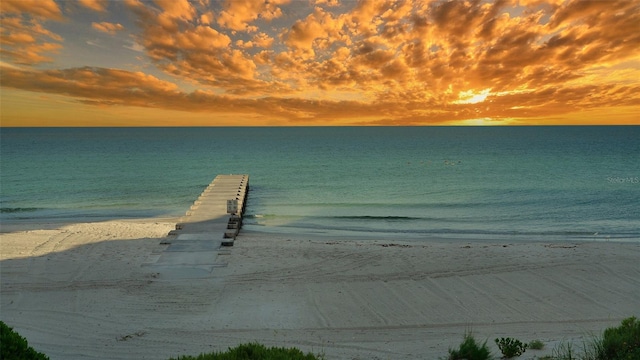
{"x": 536, "y": 345}
{"x": 616, "y": 343}
{"x": 470, "y": 349}
{"x": 255, "y": 351}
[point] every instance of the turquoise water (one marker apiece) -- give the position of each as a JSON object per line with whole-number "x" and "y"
{"x": 457, "y": 182}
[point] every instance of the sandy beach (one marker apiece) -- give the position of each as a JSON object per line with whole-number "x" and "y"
{"x": 92, "y": 291}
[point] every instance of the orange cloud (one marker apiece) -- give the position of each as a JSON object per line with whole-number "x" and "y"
{"x": 196, "y": 52}
{"x": 31, "y": 54}
{"x": 331, "y": 3}
{"x": 237, "y": 15}
{"x": 106, "y": 27}
{"x": 392, "y": 46}
{"x": 25, "y": 41}
{"x": 108, "y": 87}
{"x": 97, "y": 5}
{"x": 176, "y": 9}
{"x": 320, "y": 30}
{"x": 46, "y": 9}
{"x": 260, "y": 40}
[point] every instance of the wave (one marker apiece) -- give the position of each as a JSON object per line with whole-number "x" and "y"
{"x": 77, "y": 214}
{"x": 444, "y": 232}
{"x": 18, "y": 210}
{"x": 371, "y": 217}
{"x": 345, "y": 217}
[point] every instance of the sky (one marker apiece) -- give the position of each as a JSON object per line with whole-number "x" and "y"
{"x": 319, "y": 62}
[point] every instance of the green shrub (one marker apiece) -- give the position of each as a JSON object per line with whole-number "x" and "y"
{"x": 536, "y": 345}
{"x": 621, "y": 343}
{"x": 253, "y": 351}
{"x": 510, "y": 347}
{"x": 470, "y": 350}
{"x": 617, "y": 343}
{"x": 15, "y": 347}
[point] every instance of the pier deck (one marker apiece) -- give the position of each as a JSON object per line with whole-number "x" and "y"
{"x": 210, "y": 224}
{"x": 209, "y": 213}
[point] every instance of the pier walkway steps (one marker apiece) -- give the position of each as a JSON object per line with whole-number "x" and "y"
{"x": 212, "y": 222}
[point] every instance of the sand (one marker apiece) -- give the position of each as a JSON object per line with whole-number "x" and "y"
{"x": 92, "y": 291}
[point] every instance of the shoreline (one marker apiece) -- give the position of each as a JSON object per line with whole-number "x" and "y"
{"x": 83, "y": 290}
{"x": 31, "y": 224}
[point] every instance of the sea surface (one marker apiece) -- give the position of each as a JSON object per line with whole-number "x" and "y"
{"x": 534, "y": 183}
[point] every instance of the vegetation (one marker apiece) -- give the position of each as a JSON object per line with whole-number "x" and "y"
{"x": 254, "y": 351}
{"x": 623, "y": 342}
{"x": 536, "y": 345}
{"x": 564, "y": 351}
{"x": 616, "y": 343}
{"x": 15, "y": 347}
{"x": 510, "y": 347}
{"x": 470, "y": 350}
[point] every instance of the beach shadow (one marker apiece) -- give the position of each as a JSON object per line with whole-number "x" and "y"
{"x": 99, "y": 288}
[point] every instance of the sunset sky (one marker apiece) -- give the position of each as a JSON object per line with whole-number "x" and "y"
{"x": 319, "y": 62}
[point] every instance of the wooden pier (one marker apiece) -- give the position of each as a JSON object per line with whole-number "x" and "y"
{"x": 212, "y": 222}
{"x": 218, "y": 210}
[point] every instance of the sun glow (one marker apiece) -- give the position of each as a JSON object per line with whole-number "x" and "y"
{"x": 471, "y": 97}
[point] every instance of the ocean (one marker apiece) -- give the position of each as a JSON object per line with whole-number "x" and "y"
{"x": 506, "y": 183}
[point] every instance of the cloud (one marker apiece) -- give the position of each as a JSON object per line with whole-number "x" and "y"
{"x": 110, "y": 87}
{"x": 262, "y": 40}
{"x": 45, "y": 9}
{"x": 135, "y": 47}
{"x": 320, "y": 29}
{"x": 96, "y": 5}
{"x": 330, "y": 3}
{"x": 237, "y": 15}
{"x": 416, "y": 57}
{"x": 107, "y": 27}
{"x": 176, "y": 9}
{"x": 386, "y": 49}
{"x": 26, "y": 41}
{"x": 579, "y": 10}
{"x": 96, "y": 43}
{"x": 31, "y": 54}
{"x": 195, "y": 51}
